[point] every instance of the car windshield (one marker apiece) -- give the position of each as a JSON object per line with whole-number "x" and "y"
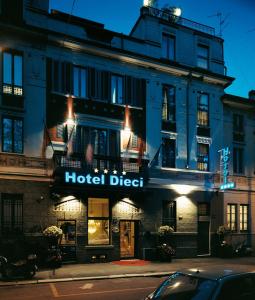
{"x": 185, "y": 287}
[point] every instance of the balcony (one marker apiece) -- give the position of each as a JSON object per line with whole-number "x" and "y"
{"x": 167, "y": 16}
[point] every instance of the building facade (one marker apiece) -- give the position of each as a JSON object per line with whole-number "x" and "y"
{"x": 110, "y": 136}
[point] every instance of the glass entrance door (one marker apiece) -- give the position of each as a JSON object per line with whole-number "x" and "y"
{"x": 127, "y": 239}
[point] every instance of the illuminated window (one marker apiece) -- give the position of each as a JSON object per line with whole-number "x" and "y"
{"x": 168, "y": 47}
{"x": 244, "y": 209}
{"x": 12, "y": 213}
{"x": 12, "y": 135}
{"x": 79, "y": 82}
{"x": 202, "y": 110}
{"x": 168, "y": 103}
{"x": 117, "y": 89}
{"x": 231, "y": 216}
{"x": 98, "y": 221}
{"x": 202, "y": 157}
{"x": 12, "y": 74}
{"x": 203, "y": 56}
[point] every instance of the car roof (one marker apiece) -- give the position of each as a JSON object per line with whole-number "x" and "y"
{"x": 218, "y": 272}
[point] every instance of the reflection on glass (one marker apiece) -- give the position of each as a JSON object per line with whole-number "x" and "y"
{"x": 98, "y": 207}
{"x": 98, "y": 232}
{"x": 180, "y": 286}
{"x": 7, "y": 135}
{"x": 7, "y": 66}
{"x": 79, "y": 82}
{"x": 12, "y": 135}
{"x": 69, "y": 232}
{"x": 18, "y": 70}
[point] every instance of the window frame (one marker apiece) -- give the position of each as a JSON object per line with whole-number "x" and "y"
{"x": 238, "y": 160}
{"x": 170, "y": 207}
{"x": 99, "y": 219}
{"x": 15, "y": 200}
{"x": 230, "y": 214}
{"x": 170, "y": 40}
{"x": 238, "y": 128}
{"x": 201, "y": 108}
{"x": 202, "y": 57}
{"x": 12, "y": 85}
{"x": 242, "y": 222}
{"x": 114, "y": 75}
{"x": 199, "y": 157}
{"x": 163, "y": 151}
{"x": 168, "y": 107}
{"x": 12, "y": 118}
{"x": 80, "y": 68}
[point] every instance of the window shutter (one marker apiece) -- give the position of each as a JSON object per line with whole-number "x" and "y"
{"x": 114, "y": 143}
{"x": 105, "y": 86}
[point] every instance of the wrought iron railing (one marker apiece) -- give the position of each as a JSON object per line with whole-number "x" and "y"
{"x": 101, "y": 163}
{"x": 171, "y": 18}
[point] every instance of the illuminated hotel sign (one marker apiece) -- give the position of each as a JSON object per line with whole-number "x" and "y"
{"x": 224, "y": 162}
{"x": 103, "y": 180}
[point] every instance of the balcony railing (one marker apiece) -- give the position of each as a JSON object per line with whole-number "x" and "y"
{"x": 101, "y": 163}
{"x": 167, "y": 16}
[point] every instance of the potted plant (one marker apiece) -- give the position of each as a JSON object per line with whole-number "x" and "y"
{"x": 52, "y": 233}
{"x": 165, "y": 250}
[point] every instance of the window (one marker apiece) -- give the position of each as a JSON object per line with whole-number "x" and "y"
{"x": 238, "y": 128}
{"x": 231, "y": 216}
{"x": 12, "y": 135}
{"x": 238, "y": 160}
{"x": 244, "y": 211}
{"x": 168, "y": 47}
{"x": 98, "y": 221}
{"x": 117, "y": 89}
{"x": 169, "y": 213}
{"x": 202, "y": 110}
{"x": 203, "y": 209}
{"x": 12, "y": 74}
{"x": 168, "y": 153}
{"x": 135, "y": 90}
{"x": 168, "y": 103}
{"x": 203, "y": 56}
{"x": 61, "y": 75}
{"x": 12, "y": 213}
{"x": 203, "y": 157}
{"x": 79, "y": 82}
{"x": 104, "y": 142}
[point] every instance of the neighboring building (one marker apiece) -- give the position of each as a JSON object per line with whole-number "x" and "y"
{"x": 111, "y": 136}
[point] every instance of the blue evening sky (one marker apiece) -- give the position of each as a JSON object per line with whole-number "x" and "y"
{"x": 238, "y": 28}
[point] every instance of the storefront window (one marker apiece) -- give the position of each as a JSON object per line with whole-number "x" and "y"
{"x": 98, "y": 221}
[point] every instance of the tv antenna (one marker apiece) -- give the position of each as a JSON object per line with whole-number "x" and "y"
{"x": 222, "y": 21}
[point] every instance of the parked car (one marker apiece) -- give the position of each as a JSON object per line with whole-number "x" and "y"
{"x": 213, "y": 284}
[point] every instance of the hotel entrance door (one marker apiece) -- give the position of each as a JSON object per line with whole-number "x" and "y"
{"x": 127, "y": 239}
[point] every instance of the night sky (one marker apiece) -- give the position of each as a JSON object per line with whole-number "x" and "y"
{"x": 238, "y": 27}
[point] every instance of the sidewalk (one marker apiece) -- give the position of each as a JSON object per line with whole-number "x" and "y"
{"x": 72, "y": 272}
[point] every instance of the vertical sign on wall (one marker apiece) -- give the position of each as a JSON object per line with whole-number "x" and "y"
{"x": 224, "y": 169}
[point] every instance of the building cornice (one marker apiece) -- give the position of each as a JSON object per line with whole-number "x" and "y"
{"x": 124, "y": 56}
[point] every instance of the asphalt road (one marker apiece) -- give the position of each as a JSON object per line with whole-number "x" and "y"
{"x": 116, "y": 289}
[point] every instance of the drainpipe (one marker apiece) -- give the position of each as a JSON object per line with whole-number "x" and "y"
{"x": 189, "y": 79}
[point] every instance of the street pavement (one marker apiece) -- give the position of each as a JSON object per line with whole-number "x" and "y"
{"x": 75, "y": 272}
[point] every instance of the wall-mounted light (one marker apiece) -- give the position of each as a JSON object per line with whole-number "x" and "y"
{"x": 183, "y": 189}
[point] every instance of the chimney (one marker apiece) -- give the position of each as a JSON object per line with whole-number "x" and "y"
{"x": 252, "y": 94}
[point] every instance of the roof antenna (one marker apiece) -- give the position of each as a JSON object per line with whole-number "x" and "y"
{"x": 222, "y": 21}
